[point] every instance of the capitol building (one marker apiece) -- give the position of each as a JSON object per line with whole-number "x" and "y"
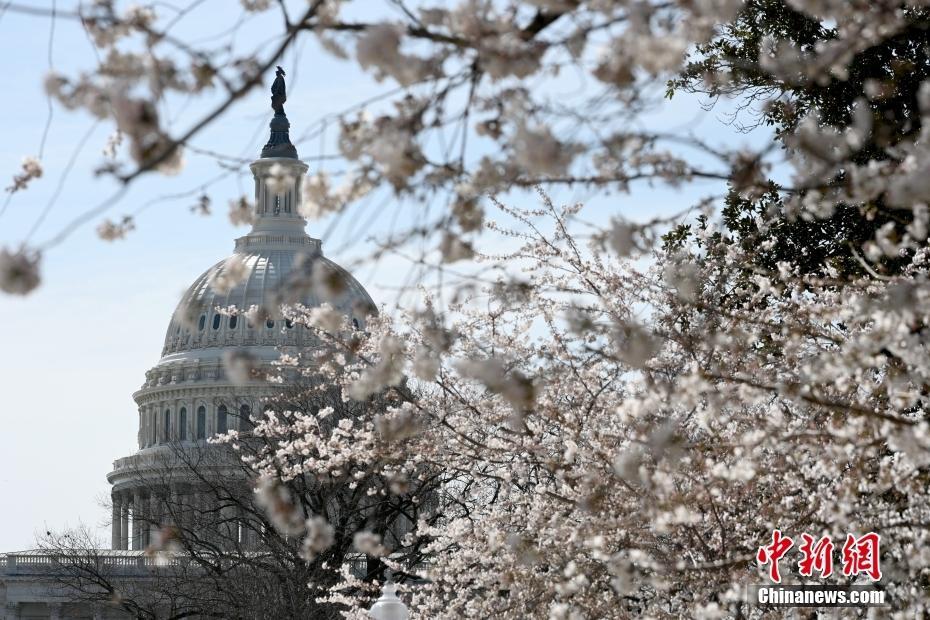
{"x": 187, "y": 396}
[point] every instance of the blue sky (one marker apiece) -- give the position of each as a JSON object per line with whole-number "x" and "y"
{"x": 75, "y": 350}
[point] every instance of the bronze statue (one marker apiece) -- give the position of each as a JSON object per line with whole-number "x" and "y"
{"x": 278, "y": 92}
{"x": 279, "y": 142}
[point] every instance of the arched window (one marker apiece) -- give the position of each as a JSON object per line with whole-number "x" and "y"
{"x": 222, "y": 422}
{"x": 216, "y": 321}
{"x": 182, "y": 424}
{"x": 166, "y": 428}
{"x": 288, "y": 323}
{"x": 269, "y": 323}
{"x": 244, "y": 422}
{"x": 201, "y": 422}
{"x": 233, "y": 321}
{"x": 203, "y": 321}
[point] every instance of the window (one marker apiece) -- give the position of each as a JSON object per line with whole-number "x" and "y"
{"x": 355, "y": 323}
{"x": 222, "y": 423}
{"x": 233, "y": 321}
{"x": 153, "y": 419}
{"x": 288, "y": 323}
{"x": 203, "y": 321}
{"x": 269, "y": 323}
{"x": 244, "y": 422}
{"x": 166, "y": 429}
{"x": 216, "y": 321}
{"x": 201, "y": 422}
{"x": 182, "y": 424}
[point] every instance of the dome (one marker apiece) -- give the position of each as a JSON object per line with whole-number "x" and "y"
{"x": 275, "y": 267}
{"x": 188, "y": 397}
{"x": 270, "y": 272}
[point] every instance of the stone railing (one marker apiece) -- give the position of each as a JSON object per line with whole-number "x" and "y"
{"x": 266, "y": 239}
{"x": 125, "y": 561}
{"x": 162, "y": 458}
{"x": 37, "y": 562}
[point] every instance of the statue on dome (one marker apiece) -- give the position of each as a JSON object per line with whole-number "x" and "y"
{"x": 279, "y": 142}
{"x": 278, "y": 92}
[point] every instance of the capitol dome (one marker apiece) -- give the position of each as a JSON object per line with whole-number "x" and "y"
{"x": 274, "y": 268}
{"x": 268, "y": 273}
{"x": 187, "y": 396}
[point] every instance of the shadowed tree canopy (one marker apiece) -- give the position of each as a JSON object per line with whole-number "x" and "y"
{"x": 890, "y": 73}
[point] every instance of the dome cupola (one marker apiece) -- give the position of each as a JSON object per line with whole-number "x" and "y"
{"x": 271, "y": 269}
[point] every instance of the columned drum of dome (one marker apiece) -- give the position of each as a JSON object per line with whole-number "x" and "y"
{"x": 186, "y": 397}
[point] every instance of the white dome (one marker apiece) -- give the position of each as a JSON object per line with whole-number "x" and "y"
{"x": 275, "y": 275}
{"x": 276, "y": 264}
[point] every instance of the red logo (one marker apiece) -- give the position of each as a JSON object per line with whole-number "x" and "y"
{"x": 860, "y": 555}
{"x": 771, "y": 554}
{"x": 817, "y": 557}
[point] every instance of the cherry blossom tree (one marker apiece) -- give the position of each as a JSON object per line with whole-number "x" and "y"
{"x": 620, "y": 440}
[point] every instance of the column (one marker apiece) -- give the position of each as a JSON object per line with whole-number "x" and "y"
{"x": 153, "y": 517}
{"x": 245, "y": 530}
{"x": 173, "y": 507}
{"x": 115, "y": 526}
{"x": 137, "y": 521}
{"x": 229, "y": 526}
{"x": 179, "y": 506}
{"x": 190, "y": 512}
{"x": 200, "y": 509}
{"x": 191, "y": 516}
{"x": 209, "y": 519}
{"x": 124, "y": 522}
